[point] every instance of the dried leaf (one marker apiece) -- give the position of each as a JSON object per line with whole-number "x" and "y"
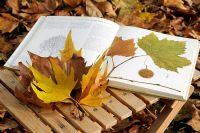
{"x": 122, "y": 47}
{"x": 26, "y": 75}
{"x": 7, "y": 124}
{"x": 35, "y": 7}
{"x": 73, "y": 3}
{"x": 5, "y": 47}
{"x": 62, "y": 13}
{"x": 2, "y": 111}
{"x": 51, "y": 5}
{"x": 69, "y": 49}
{"x": 194, "y": 122}
{"x": 79, "y": 66}
{"x": 106, "y": 8}
{"x": 93, "y": 85}
{"x": 28, "y": 96}
{"x": 146, "y": 16}
{"x": 8, "y": 23}
{"x": 176, "y": 4}
{"x": 125, "y": 6}
{"x": 14, "y": 4}
{"x": 165, "y": 53}
{"x": 80, "y": 11}
{"x": 92, "y": 10}
{"x": 49, "y": 90}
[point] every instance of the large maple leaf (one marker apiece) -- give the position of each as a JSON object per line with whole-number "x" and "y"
{"x": 49, "y": 90}
{"x": 165, "y": 53}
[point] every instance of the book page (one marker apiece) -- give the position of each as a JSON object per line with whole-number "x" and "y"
{"x": 163, "y": 81}
{"x": 93, "y": 35}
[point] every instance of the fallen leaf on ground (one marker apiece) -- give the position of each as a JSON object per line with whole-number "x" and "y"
{"x": 176, "y": 3}
{"x": 122, "y": 47}
{"x": 8, "y": 23}
{"x": 72, "y": 3}
{"x": 106, "y": 8}
{"x": 14, "y": 4}
{"x": 7, "y": 124}
{"x": 35, "y": 7}
{"x": 92, "y": 10}
{"x": 2, "y": 111}
{"x": 164, "y": 53}
{"x": 194, "y": 122}
{"x": 5, "y": 47}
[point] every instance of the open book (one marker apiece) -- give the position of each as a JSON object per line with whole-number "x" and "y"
{"x": 95, "y": 35}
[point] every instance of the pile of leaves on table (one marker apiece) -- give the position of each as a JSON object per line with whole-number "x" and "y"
{"x": 180, "y": 17}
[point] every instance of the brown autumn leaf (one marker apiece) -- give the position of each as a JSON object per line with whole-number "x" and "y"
{"x": 5, "y": 47}
{"x": 8, "y": 23}
{"x": 28, "y": 96}
{"x": 194, "y": 122}
{"x": 92, "y": 10}
{"x": 80, "y": 11}
{"x": 26, "y": 75}
{"x": 62, "y": 13}
{"x": 2, "y": 111}
{"x": 14, "y": 5}
{"x": 51, "y": 5}
{"x": 122, "y": 47}
{"x": 43, "y": 64}
{"x": 35, "y": 7}
{"x": 79, "y": 66}
{"x": 106, "y": 8}
{"x": 72, "y": 3}
{"x": 7, "y": 124}
{"x": 176, "y": 4}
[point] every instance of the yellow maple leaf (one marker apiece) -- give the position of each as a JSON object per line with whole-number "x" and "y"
{"x": 51, "y": 91}
{"x": 69, "y": 49}
{"x": 93, "y": 85}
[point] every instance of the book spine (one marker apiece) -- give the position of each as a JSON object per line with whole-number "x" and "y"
{"x": 25, "y": 42}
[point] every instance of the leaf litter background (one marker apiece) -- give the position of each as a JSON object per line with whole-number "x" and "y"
{"x": 180, "y": 17}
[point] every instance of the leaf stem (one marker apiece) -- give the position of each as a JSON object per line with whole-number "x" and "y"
{"x": 79, "y": 106}
{"x": 147, "y": 83}
{"x": 114, "y": 67}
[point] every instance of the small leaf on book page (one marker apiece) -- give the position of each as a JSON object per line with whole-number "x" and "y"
{"x": 122, "y": 47}
{"x": 165, "y": 53}
{"x": 146, "y": 73}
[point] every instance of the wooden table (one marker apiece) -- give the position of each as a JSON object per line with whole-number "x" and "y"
{"x": 121, "y": 106}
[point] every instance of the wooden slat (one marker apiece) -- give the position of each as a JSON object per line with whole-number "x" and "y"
{"x": 117, "y": 108}
{"x": 129, "y": 99}
{"x": 105, "y": 119}
{"x": 22, "y": 113}
{"x": 166, "y": 116}
{"x": 196, "y": 75}
{"x": 148, "y": 99}
{"x": 58, "y": 123}
{"x": 54, "y": 120}
{"x": 85, "y": 125}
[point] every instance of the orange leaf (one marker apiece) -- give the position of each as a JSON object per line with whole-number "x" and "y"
{"x": 122, "y": 47}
